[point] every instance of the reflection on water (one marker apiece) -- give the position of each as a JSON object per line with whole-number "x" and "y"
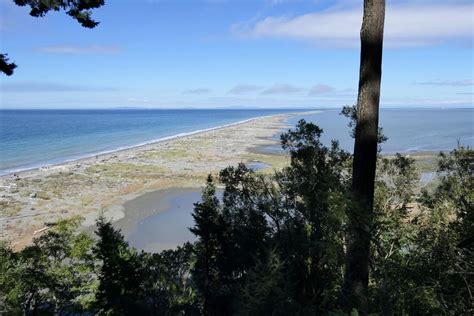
{"x": 257, "y": 165}
{"x": 162, "y": 219}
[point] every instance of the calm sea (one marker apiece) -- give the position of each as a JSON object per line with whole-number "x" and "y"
{"x": 32, "y": 138}
{"x": 408, "y": 130}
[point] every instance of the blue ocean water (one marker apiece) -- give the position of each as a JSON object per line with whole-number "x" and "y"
{"x": 32, "y": 138}
{"x": 408, "y": 130}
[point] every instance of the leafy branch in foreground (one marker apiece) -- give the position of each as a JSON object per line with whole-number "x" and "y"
{"x": 5, "y": 66}
{"x": 80, "y": 10}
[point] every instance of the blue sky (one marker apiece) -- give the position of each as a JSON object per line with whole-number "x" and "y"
{"x": 218, "y": 53}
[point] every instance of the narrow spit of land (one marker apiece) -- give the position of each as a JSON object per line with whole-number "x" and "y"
{"x": 30, "y": 200}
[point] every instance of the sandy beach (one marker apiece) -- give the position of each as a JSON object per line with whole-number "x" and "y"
{"x": 31, "y": 199}
{"x": 104, "y": 184}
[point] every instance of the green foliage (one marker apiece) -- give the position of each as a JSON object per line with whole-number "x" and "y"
{"x": 423, "y": 258}
{"x": 80, "y": 10}
{"x": 52, "y": 276}
{"x": 121, "y": 274}
{"x": 212, "y": 270}
{"x": 169, "y": 286}
{"x": 5, "y": 66}
{"x": 350, "y": 111}
{"x": 314, "y": 188}
{"x": 272, "y": 245}
{"x": 266, "y": 290}
{"x": 288, "y": 226}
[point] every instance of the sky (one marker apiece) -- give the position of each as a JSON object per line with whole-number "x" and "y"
{"x": 240, "y": 53}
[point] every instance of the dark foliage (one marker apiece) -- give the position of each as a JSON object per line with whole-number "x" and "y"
{"x": 79, "y": 10}
{"x": 271, "y": 245}
{"x": 121, "y": 274}
{"x": 5, "y": 66}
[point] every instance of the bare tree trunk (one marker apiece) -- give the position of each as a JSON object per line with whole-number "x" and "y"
{"x": 365, "y": 156}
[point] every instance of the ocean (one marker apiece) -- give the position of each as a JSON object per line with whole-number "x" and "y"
{"x": 34, "y": 138}
{"x": 408, "y": 130}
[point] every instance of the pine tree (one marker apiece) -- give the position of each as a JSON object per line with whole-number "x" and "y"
{"x": 209, "y": 271}
{"x": 121, "y": 274}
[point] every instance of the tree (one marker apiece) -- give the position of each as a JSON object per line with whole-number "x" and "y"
{"x": 209, "y": 272}
{"x": 121, "y": 274}
{"x": 79, "y": 10}
{"x": 365, "y": 156}
{"x": 51, "y": 276}
{"x": 169, "y": 288}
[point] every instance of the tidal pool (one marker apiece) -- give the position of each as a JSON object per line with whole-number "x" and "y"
{"x": 159, "y": 220}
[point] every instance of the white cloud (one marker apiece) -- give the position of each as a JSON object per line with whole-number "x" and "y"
{"x": 449, "y": 83}
{"x": 24, "y": 87}
{"x": 197, "y": 91}
{"x": 320, "y": 89}
{"x": 406, "y": 25}
{"x": 76, "y": 50}
{"x": 244, "y": 88}
{"x": 282, "y": 89}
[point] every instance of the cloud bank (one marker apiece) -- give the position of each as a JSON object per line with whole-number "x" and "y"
{"x": 244, "y": 88}
{"x": 78, "y": 50}
{"x": 406, "y": 25}
{"x": 37, "y": 87}
{"x": 449, "y": 83}
{"x": 320, "y": 89}
{"x": 197, "y": 91}
{"x": 282, "y": 89}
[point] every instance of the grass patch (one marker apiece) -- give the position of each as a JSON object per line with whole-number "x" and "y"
{"x": 43, "y": 195}
{"x": 129, "y": 170}
{"x": 10, "y": 208}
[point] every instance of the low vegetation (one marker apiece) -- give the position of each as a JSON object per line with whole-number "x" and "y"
{"x": 274, "y": 244}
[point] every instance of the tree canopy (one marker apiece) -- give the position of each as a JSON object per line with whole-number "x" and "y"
{"x": 271, "y": 245}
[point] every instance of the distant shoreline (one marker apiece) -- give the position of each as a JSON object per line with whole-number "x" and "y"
{"x": 87, "y": 186}
{"x": 98, "y": 155}
{"x": 104, "y": 183}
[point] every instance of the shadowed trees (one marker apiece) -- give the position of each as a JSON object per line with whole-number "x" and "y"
{"x": 121, "y": 274}
{"x": 211, "y": 271}
{"x": 278, "y": 237}
{"x": 80, "y": 10}
{"x": 272, "y": 245}
{"x": 365, "y": 157}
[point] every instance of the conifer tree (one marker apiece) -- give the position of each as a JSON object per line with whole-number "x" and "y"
{"x": 121, "y": 274}
{"x": 209, "y": 269}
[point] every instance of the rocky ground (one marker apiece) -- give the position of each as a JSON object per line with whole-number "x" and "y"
{"x": 30, "y": 200}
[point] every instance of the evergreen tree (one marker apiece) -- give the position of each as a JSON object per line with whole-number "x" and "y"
{"x": 54, "y": 275}
{"x": 210, "y": 273}
{"x": 121, "y": 274}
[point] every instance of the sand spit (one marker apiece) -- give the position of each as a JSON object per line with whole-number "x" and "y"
{"x": 31, "y": 199}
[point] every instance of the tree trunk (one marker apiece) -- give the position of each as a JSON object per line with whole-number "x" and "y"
{"x": 365, "y": 156}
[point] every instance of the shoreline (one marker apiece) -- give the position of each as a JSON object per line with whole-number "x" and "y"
{"x": 103, "y": 183}
{"x": 9, "y": 172}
